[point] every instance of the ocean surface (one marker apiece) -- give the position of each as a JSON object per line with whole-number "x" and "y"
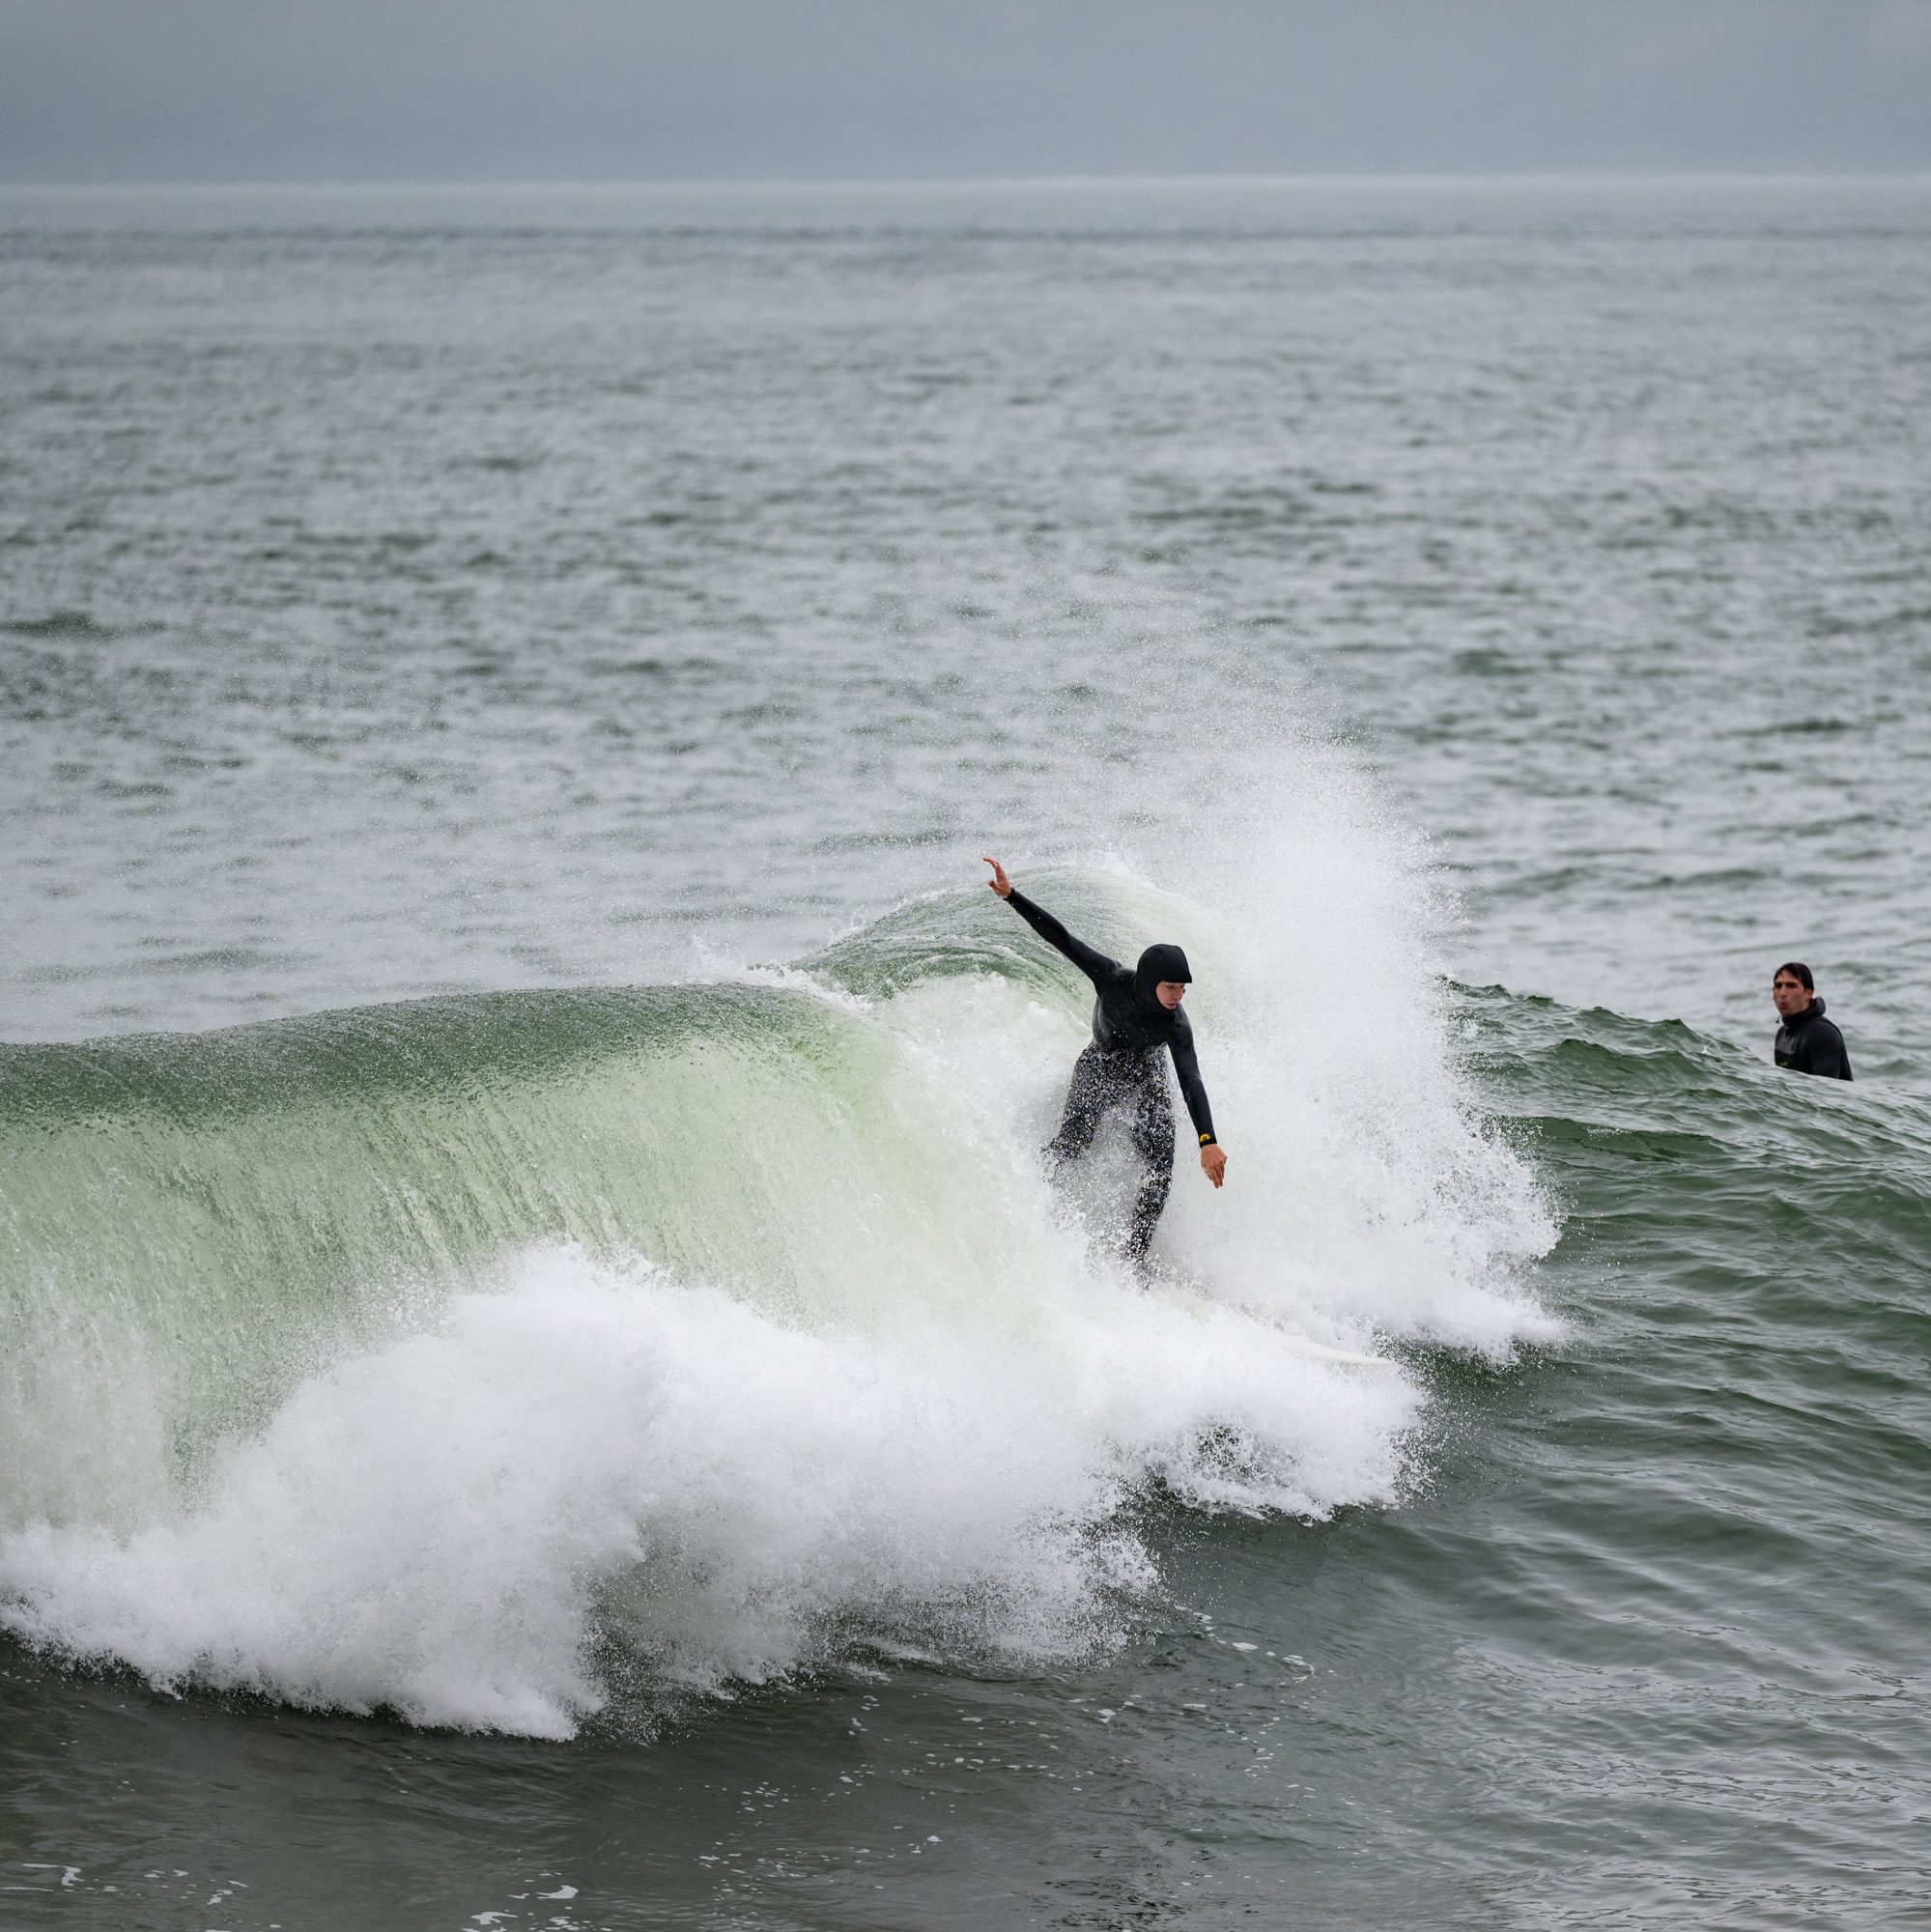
{"x": 541, "y": 1381}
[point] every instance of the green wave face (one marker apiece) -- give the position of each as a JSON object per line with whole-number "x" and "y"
{"x": 225, "y": 1212}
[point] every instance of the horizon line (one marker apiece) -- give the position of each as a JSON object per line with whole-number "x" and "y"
{"x": 1360, "y": 177}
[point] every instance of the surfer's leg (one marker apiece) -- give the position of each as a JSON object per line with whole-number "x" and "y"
{"x": 1086, "y": 1098}
{"x": 1153, "y": 1145}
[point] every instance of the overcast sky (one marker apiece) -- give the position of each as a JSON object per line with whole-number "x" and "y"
{"x": 603, "y": 90}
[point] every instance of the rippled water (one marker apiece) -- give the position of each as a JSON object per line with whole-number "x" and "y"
{"x": 657, "y": 1453}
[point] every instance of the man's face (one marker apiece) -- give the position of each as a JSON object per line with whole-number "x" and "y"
{"x": 1171, "y": 992}
{"x": 1790, "y": 993}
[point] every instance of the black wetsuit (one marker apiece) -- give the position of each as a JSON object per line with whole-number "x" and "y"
{"x": 1122, "y": 1069}
{"x": 1806, "y": 1043}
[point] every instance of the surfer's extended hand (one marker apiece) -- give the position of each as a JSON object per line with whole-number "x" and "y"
{"x": 1003, "y": 885}
{"x": 1213, "y": 1163}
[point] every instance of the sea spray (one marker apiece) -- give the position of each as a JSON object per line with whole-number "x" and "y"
{"x": 1370, "y": 1190}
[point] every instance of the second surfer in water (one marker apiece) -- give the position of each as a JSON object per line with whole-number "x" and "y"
{"x": 1135, "y": 1018}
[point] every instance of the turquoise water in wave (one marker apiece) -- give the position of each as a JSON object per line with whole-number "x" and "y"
{"x": 540, "y": 1383}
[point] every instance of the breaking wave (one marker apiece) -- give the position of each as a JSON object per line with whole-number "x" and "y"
{"x": 501, "y": 1360}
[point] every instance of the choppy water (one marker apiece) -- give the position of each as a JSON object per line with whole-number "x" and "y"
{"x": 542, "y": 1384}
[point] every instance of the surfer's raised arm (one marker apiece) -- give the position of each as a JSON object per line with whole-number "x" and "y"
{"x": 1089, "y": 959}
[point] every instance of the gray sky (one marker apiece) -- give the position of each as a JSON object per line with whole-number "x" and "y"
{"x": 502, "y": 89}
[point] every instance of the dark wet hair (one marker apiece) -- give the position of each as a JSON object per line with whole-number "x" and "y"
{"x": 1799, "y": 971}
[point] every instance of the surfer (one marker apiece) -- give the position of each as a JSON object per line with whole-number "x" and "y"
{"x": 1137, "y": 1013}
{"x": 1806, "y": 1043}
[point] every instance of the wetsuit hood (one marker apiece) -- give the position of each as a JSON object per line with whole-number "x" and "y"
{"x": 1161, "y": 962}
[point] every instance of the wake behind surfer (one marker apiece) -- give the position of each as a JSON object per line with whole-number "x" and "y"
{"x": 1806, "y": 1043}
{"x": 1136, "y": 1015}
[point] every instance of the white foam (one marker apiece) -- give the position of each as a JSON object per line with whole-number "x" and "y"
{"x": 592, "y": 1464}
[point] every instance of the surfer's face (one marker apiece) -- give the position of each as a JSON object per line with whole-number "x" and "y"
{"x": 1790, "y": 993}
{"x": 1171, "y": 992}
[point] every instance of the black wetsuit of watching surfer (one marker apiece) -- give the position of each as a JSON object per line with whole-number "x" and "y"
{"x": 1807, "y": 1042}
{"x": 1131, "y": 1026}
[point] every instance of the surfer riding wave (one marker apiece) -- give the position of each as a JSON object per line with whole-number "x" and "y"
{"x": 1135, "y": 1015}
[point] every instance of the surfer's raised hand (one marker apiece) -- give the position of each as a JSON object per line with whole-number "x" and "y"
{"x": 1003, "y": 885}
{"x": 1213, "y": 1162}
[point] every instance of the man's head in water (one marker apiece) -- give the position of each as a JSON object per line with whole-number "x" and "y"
{"x": 1164, "y": 971}
{"x": 1791, "y": 987}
